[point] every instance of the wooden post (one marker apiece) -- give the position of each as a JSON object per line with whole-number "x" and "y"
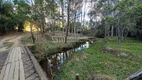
{"x": 77, "y": 76}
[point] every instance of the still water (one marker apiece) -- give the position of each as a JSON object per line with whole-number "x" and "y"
{"x": 54, "y": 62}
{"x": 61, "y": 57}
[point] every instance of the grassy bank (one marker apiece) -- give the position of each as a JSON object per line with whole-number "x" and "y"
{"x": 43, "y": 47}
{"x": 93, "y": 62}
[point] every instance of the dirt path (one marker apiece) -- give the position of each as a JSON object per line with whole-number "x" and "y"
{"x": 2, "y": 47}
{"x": 14, "y": 39}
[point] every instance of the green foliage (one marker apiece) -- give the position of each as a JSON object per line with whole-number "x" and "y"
{"x": 110, "y": 19}
{"x": 100, "y": 31}
{"x": 124, "y": 16}
{"x": 13, "y": 15}
{"x": 6, "y": 16}
{"x": 93, "y": 61}
{"x": 136, "y": 30}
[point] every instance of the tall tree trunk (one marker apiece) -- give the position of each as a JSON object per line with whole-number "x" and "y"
{"x": 81, "y": 21}
{"x": 74, "y": 23}
{"x": 85, "y": 2}
{"x": 118, "y": 31}
{"x": 118, "y": 34}
{"x": 112, "y": 31}
{"x": 62, "y": 14}
{"x": 54, "y": 25}
{"x": 105, "y": 32}
{"x": 122, "y": 34}
{"x": 43, "y": 24}
{"x": 68, "y": 23}
{"x": 31, "y": 30}
{"x": 125, "y": 34}
{"x": 42, "y": 17}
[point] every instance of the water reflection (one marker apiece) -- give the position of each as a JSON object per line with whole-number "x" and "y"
{"x": 61, "y": 57}
{"x": 55, "y": 61}
{"x": 84, "y": 46}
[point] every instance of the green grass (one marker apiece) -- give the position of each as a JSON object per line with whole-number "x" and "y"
{"x": 132, "y": 47}
{"x": 44, "y": 47}
{"x": 93, "y": 61}
{"x": 8, "y": 44}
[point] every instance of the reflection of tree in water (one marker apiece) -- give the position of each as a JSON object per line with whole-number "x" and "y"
{"x": 54, "y": 63}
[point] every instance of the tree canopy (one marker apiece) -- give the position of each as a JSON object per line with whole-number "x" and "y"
{"x": 107, "y": 17}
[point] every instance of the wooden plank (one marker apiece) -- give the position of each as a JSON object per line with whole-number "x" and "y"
{"x": 13, "y": 66}
{"x": 17, "y": 55}
{"x": 38, "y": 68}
{"x": 21, "y": 69}
{"x": 17, "y": 64}
{"x": 16, "y": 71}
{"x": 15, "y": 59}
{"x": 5, "y": 65}
{"x": 11, "y": 72}
{"x": 6, "y": 72}
{"x": 11, "y": 55}
{"x": 14, "y": 55}
{"x": 22, "y": 74}
{"x": 20, "y": 51}
{"x": 2, "y": 72}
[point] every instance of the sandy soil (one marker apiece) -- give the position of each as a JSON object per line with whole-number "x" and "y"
{"x": 15, "y": 39}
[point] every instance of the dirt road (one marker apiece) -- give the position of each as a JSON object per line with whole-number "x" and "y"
{"x": 15, "y": 39}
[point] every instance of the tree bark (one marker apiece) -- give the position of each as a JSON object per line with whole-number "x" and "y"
{"x": 68, "y": 23}
{"x": 62, "y": 14}
{"x": 31, "y": 30}
{"x": 118, "y": 34}
{"x": 42, "y": 17}
{"x": 54, "y": 25}
{"x": 112, "y": 31}
{"x": 74, "y": 23}
{"x": 125, "y": 34}
{"x": 122, "y": 34}
{"x": 43, "y": 24}
{"x": 118, "y": 31}
{"x": 105, "y": 32}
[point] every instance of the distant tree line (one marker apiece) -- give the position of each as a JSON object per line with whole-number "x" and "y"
{"x": 121, "y": 18}
{"x": 48, "y": 15}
